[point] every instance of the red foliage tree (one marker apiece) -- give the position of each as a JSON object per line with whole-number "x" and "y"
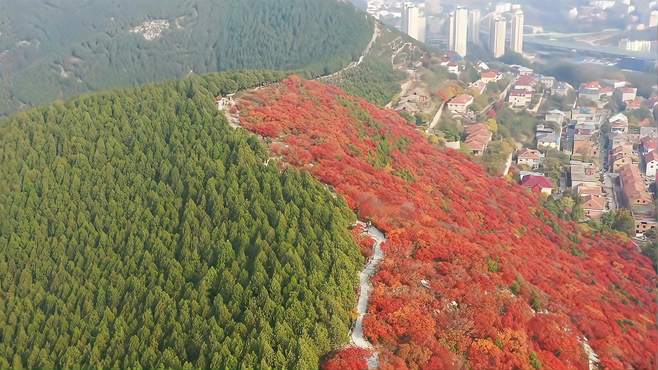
{"x": 502, "y": 286}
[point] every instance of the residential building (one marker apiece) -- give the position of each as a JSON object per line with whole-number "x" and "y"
{"x": 478, "y": 137}
{"x": 636, "y": 197}
{"x": 593, "y": 201}
{"x": 497, "y": 36}
{"x": 584, "y": 147}
{"x": 627, "y": 93}
{"x": 634, "y": 104}
{"x": 478, "y": 87}
{"x": 584, "y": 173}
{"x": 474, "y": 26}
{"x": 615, "y": 83}
{"x": 459, "y": 31}
{"x": 619, "y": 127}
{"x": 651, "y": 163}
{"x": 516, "y": 35}
{"x": 621, "y": 156}
{"x": 413, "y": 21}
{"x": 519, "y": 98}
{"x": 453, "y": 68}
{"x": 529, "y": 157}
{"x": 556, "y": 116}
{"x": 648, "y": 144}
{"x": 490, "y": 76}
{"x": 521, "y": 70}
{"x": 653, "y": 18}
{"x": 648, "y": 131}
{"x": 638, "y": 46}
{"x": 526, "y": 82}
{"x": 548, "y": 141}
{"x": 548, "y": 82}
{"x": 460, "y": 103}
{"x": 633, "y": 188}
{"x": 562, "y": 89}
{"x": 590, "y": 91}
{"x": 538, "y": 183}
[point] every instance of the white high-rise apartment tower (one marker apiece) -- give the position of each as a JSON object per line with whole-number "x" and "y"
{"x": 516, "y": 35}
{"x": 459, "y": 31}
{"x": 474, "y": 26}
{"x": 413, "y": 21}
{"x": 497, "y": 36}
{"x": 653, "y": 18}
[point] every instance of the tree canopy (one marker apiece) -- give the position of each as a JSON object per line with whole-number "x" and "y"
{"x": 137, "y": 229}
{"x": 51, "y": 53}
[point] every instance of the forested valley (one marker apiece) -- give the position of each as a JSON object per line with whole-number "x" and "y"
{"x": 79, "y": 46}
{"x": 137, "y": 229}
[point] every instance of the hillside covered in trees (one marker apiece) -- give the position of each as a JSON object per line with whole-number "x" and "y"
{"x": 138, "y": 230}
{"x": 55, "y": 49}
{"x": 477, "y": 273}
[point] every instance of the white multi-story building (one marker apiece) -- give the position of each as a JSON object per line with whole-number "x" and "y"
{"x": 497, "y": 37}
{"x": 459, "y": 31}
{"x": 516, "y": 35}
{"x": 653, "y": 18}
{"x": 640, "y": 46}
{"x": 413, "y": 21}
{"x": 474, "y": 26}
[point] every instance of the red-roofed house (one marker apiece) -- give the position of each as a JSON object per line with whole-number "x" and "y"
{"x": 591, "y": 85}
{"x": 607, "y": 91}
{"x": 593, "y": 200}
{"x": 490, "y": 76}
{"x": 633, "y": 188}
{"x": 539, "y": 183}
{"x": 529, "y": 157}
{"x": 525, "y": 83}
{"x": 477, "y": 139}
{"x": 519, "y": 98}
{"x": 460, "y": 103}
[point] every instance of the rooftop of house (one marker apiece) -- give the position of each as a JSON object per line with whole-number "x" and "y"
{"x": 489, "y": 74}
{"x": 592, "y": 85}
{"x": 541, "y": 182}
{"x": 593, "y": 202}
{"x": 619, "y": 117}
{"x": 584, "y": 171}
{"x": 589, "y": 190}
{"x": 526, "y": 80}
{"x": 519, "y": 92}
{"x": 547, "y": 138}
{"x": 461, "y": 99}
{"x": 530, "y": 154}
{"x": 632, "y": 183}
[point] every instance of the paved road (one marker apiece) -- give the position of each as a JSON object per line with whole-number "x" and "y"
{"x": 365, "y": 289}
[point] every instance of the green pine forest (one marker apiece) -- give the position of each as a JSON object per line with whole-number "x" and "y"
{"x": 138, "y": 230}
{"x": 61, "y": 48}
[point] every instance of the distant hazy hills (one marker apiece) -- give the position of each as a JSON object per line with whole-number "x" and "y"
{"x": 59, "y": 48}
